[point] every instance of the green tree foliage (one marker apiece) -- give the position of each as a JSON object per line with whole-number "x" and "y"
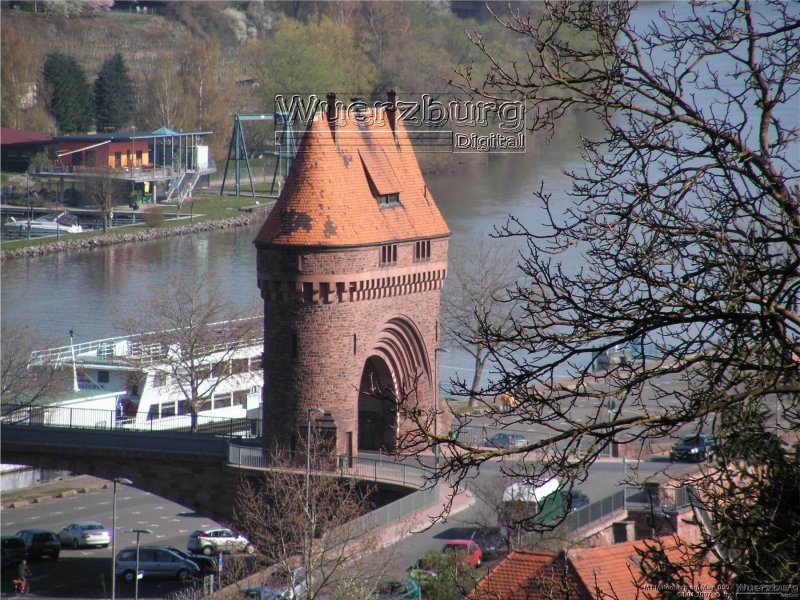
{"x": 69, "y": 96}
{"x": 320, "y": 56}
{"x": 113, "y": 95}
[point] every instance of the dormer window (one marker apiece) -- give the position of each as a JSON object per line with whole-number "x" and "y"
{"x": 388, "y": 199}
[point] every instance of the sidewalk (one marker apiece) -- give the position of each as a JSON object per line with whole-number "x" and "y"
{"x": 69, "y": 486}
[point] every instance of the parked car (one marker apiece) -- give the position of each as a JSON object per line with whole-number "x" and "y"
{"x": 155, "y": 562}
{"x": 467, "y": 550}
{"x": 694, "y": 448}
{"x": 576, "y": 499}
{"x": 84, "y": 533}
{"x": 13, "y": 551}
{"x": 282, "y": 584}
{"x": 40, "y": 542}
{"x": 507, "y": 440}
{"x": 396, "y": 590}
{"x": 493, "y": 542}
{"x": 207, "y": 564}
{"x": 216, "y": 540}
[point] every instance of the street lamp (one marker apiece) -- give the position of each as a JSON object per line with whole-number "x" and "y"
{"x": 311, "y": 411}
{"x": 138, "y": 532}
{"x": 114, "y": 534}
{"x": 436, "y": 352}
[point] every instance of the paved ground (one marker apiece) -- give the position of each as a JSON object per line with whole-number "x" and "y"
{"x": 80, "y": 484}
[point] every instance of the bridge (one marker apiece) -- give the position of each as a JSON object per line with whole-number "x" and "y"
{"x": 200, "y": 470}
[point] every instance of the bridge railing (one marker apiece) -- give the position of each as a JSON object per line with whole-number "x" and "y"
{"x": 88, "y": 418}
{"x": 368, "y": 468}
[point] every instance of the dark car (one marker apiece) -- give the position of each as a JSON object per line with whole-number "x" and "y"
{"x": 13, "y": 551}
{"x": 41, "y": 542}
{"x": 577, "y": 499}
{"x": 206, "y": 563}
{"x": 507, "y": 440}
{"x": 694, "y": 448}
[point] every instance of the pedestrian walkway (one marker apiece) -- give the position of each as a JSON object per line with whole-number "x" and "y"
{"x": 69, "y": 486}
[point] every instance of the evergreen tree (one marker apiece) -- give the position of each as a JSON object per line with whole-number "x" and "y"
{"x": 113, "y": 95}
{"x": 69, "y": 96}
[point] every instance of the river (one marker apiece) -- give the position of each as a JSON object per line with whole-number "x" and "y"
{"x": 93, "y": 292}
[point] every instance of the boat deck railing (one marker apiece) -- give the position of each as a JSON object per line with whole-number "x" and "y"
{"x": 134, "y": 348}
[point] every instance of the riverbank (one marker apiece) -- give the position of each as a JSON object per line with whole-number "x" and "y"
{"x": 100, "y": 240}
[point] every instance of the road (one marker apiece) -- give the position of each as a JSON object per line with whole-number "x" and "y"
{"x": 86, "y": 573}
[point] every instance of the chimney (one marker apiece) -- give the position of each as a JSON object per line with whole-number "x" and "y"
{"x": 391, "y": 109}
{"x": 331, "y": 113}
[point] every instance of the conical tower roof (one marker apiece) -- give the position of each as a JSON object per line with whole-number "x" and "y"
{"x": 354, "y": 183}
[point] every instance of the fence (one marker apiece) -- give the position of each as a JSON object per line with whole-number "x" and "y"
{"x": 88, "y": 418}
{"x": 480, "y": 436}
{"x": 379, "y": 469}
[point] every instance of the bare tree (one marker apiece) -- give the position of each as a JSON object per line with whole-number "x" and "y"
{"x": 106, "y": 190}
{"x": 687, "y": 223}
{"x": 197, "y": 338}
{"x": 307, "y": 524}
{"x": 24, "y": 382}
{"x": 477, "y": 293}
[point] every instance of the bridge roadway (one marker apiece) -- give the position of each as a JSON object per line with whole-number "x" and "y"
{"x": 197, "y": 470}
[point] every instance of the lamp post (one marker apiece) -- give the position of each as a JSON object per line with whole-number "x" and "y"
{"x": 114, "y": 535}
{"x": 436, "y": 352}
{"x": 138, "y": 533}
{"x": 307, "y": 536}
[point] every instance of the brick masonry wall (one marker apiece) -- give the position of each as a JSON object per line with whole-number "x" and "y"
{"x": 318, "y": 336}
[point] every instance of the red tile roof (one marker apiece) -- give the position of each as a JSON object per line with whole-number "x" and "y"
{"x": 523, "y": 575}
{"x": 604, "y": 572}
{"x": 618, "y": 571}
{"x": 330, "y": 197}
{"x": 17, "y": 136}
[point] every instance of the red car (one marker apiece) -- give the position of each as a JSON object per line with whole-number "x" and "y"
{"x": 466, "y": 550}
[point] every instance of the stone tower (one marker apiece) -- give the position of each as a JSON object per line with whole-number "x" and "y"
{"x": 351, "y": 262}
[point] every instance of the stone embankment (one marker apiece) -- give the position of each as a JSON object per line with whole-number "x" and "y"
{"x": 123, "y": 238}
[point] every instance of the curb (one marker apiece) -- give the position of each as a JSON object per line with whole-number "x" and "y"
{"x": 32, "y": 497}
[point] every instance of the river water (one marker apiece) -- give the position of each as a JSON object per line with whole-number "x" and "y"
{"x": 93, "y": 292}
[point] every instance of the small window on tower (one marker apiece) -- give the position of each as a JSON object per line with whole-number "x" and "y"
{"x": 388, "y": 254}
{"x": 422, "y": 251}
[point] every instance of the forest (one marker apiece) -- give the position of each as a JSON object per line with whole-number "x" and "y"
{"x": 122, "y": 66}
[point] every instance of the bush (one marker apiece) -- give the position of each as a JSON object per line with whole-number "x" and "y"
{"x": 153, "y": 218}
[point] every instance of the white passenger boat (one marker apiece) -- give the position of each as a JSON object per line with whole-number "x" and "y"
{"x": 50, "y": 224}
{"x": 128, "y": 382}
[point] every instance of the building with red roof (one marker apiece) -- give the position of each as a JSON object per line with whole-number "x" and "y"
{"x": 351, "y": 261}
{"x": 624, "y": 571}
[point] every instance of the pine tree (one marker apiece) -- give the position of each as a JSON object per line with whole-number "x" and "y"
{"x": 113, "y": 95}
{"x": 69, "y": 96}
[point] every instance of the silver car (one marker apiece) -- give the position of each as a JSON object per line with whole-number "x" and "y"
{"x": 84, "y": 533}
{"x": 155, "y": 562}
{"x": 216, "y": 540}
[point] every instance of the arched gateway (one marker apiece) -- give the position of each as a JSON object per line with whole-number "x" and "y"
{"x": 351, "y": 261}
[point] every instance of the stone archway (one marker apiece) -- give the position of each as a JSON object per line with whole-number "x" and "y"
{"x": 377, "y": 416}
{"x": 397, "y": 370}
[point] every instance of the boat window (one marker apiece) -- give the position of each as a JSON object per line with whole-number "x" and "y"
{"x": 239, "y": 365}
{"x": 222, "y": 400}
{"x": 204, "y": 405}
{"x": 168, "y": 409}
{"x": 103, "y": 377}
{"x": 160, "y": 378}
{"x": 240, "y": 398}
{"x": 184, "y": 407}
{"x": 153, "y": 412}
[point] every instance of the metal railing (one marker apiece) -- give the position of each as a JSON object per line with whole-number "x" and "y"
{"x": 88, "y": 418}
{"x": 369, "y": 468}
{"x": 478, "y": 436}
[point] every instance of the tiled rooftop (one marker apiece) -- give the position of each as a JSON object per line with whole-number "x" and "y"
{"x": 331, "y": 195}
